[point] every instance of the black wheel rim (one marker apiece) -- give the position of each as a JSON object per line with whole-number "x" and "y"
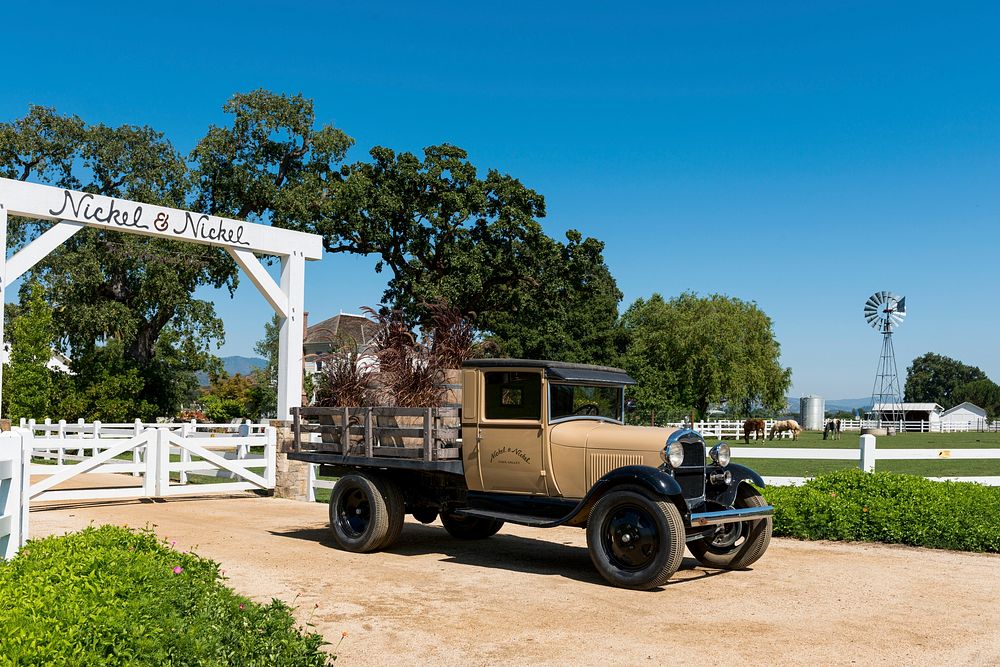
{"x": 354, "y": 513}
{"x": 630, "y": 537}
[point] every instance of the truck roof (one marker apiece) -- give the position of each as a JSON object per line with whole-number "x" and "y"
{"x": 560, "y": 370}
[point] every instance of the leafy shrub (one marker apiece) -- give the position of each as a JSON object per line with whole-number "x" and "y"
{"x": 112, "y": 596}
{"x": 887, "y": 507}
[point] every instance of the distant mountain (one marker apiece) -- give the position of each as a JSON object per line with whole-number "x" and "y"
{"x": 242, "y": 365}
{"x": 233, "y": 365}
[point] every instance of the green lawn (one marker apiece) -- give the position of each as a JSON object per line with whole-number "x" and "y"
{"x": 933, "y": 468}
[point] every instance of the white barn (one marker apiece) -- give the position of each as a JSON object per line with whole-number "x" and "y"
{"x": 964, "y": 416}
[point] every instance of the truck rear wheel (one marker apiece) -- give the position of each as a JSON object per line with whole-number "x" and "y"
{"x": 470, "y": 527}
{"x": 395, "y": 508}
{"x": 359, "y": 517}
{"x": 735, "y": 546}
{"x": 634, "y": 541}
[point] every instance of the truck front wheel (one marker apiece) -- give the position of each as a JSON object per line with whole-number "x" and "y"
{"x": 359, "y": 515}
{"x": 735, "y": 546}
{"x": 470, "y": 527}
{"x": 634, "y": 541}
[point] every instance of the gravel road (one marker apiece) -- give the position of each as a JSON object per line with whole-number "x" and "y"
{"x": 531, "y": 596}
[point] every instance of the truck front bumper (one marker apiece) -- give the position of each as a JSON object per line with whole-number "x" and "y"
{"x": 730, "y": 516}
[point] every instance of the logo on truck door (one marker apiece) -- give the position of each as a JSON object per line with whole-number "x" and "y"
{"x": 517, "y": 456}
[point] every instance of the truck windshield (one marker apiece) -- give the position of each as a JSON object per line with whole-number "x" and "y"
{"x": 582, "y": 400}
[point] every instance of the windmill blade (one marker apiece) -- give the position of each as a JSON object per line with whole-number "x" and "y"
{"x": 873, "y": 301}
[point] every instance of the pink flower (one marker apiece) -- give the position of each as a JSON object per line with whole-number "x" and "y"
{"x": 178, "y": 569}
{"x": 241, "y": 605}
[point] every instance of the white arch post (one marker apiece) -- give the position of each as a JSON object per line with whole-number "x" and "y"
{"x": 72, "y": 210}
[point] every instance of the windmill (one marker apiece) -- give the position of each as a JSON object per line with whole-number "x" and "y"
{"x": 885, "y": 311}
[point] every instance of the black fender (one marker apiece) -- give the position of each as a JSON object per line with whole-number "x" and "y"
{"x": 653, "y": 480}
{"x": 741, "y": 475}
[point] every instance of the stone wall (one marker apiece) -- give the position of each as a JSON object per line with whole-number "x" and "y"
{"x": 291, "y": 479}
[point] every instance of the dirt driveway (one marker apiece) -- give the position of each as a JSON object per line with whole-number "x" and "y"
{"x": 531, "y": 596}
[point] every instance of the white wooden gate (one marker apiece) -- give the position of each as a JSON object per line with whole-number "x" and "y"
{"x": 11, "y": 514}
{"x": 163, "y": 457}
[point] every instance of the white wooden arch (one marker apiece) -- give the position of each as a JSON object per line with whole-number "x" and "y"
{"x": 72, "y": 210}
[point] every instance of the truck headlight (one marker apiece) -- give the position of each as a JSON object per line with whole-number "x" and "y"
{"x": 673, "y": 454}
{"x": 720, "y": 454}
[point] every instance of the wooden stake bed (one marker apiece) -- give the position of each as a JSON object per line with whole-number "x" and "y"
{"x": 332, "y": 435}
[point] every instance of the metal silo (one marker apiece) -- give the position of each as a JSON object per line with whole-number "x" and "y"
{"x": 813, "y": 411}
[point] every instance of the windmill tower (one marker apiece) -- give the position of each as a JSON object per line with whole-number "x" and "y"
{"x": 885, "y": 311}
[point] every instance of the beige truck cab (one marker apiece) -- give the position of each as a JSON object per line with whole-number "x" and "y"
{"x": 544, "y": 444}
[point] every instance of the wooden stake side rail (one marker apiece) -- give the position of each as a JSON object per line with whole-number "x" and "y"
{"x": 427, "y": 434}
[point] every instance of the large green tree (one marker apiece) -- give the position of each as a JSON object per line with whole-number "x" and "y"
{"x": 448, "y": 234}
{"x": 933, "y": 378}
{"x": 108, "y": 286}
{"x": 692, "y": 351}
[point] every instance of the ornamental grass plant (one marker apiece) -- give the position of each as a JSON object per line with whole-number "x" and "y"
{"x": 113, "y": 596}
{"x": 888, "y": 507}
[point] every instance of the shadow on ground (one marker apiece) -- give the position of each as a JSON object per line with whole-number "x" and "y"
{"x": 502, "y": 551}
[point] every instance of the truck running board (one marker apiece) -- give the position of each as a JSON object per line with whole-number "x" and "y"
{"x": 509, "y": 517}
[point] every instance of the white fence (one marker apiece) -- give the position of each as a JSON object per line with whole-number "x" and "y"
{"x": 162, "y": 456}
{"x": 11, "y": 479}
{"x": 731, "y": 429}
{"x": 866, "y": 454}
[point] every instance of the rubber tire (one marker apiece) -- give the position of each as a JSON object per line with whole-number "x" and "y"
{"x": 424, "y": 514}
{"x": 373, "y": 534}
{"x": 470, "y": 527}
{"x": 757, "y": 537}
{"x": 395, "y": 507}
{"x": 670, "y": 552}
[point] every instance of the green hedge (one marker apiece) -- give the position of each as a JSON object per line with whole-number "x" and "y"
{"x": 887, "y": 507}
{"x": 112, "y": 596}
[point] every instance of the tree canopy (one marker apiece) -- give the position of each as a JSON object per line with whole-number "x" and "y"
{"x": 446, "y": 234}
{"x": 691, "y": 351}
{"x": 933, "y": 378}
{"x": 108, "y": 286}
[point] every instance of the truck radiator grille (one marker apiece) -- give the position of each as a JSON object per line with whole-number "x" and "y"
{"x": 691, "y": 474}
{"x": 602, "y": 464}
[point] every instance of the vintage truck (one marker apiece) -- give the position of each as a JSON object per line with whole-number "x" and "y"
{"x": 539, "y": 443}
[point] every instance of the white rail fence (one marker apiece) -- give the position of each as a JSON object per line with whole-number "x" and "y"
{"x": 11, "y": 479}
{"x": 866, "y": 455}
{"x": 58, "y": 461}
{"x": 731, "y": 429}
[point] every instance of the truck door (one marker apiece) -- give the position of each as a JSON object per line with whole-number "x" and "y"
{"x": 510, "y": 432}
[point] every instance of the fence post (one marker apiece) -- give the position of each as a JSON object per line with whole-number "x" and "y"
{"x": 270, "y": 451}
{"x": 151, "y": 479}
{"x": 867, "y": 448}
{"x": 182, "y": 476}
{"x": 136, "y": 457}
{"x": 311, "y": 483}
{"x": 97, "y": 437}
{"x": 27, "y": 449}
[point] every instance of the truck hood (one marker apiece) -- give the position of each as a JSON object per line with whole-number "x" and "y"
{"x": 593, "y": 434}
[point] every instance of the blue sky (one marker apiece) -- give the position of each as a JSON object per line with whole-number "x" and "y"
{"x": 799, "y": 155}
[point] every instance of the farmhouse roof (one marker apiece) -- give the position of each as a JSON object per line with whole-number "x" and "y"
{"x": 908, "y": 407}
{"x": 971, "y": 407}
{"x": 340, "y": 329}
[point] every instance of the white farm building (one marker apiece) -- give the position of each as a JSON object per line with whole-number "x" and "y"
{"x": 964, "y": 417}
